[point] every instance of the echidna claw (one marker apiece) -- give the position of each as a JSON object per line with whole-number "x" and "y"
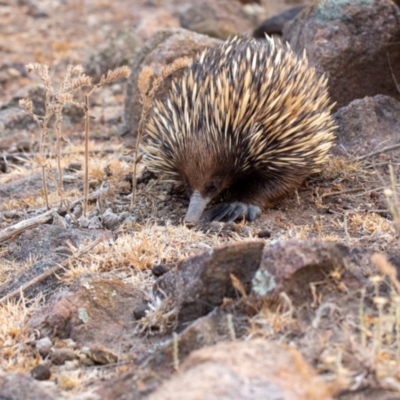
{"x": 233, "y": 211}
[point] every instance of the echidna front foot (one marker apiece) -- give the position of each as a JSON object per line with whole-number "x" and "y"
{"x": 233, "y": 211}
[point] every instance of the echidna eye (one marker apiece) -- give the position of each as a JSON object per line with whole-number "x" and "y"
{"x": 212, "y": 188}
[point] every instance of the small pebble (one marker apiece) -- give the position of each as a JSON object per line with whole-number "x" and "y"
{"x": 265, "y": 233}
{"x": 41, "y": 372}
{"x": 69, "y": 178}
{"x": 74, "y": 166}
{"x": 140, "y": 312}
{"x": 110, "y": 220}
{"x": 60, "y": 356}
{"x": 83, "y": 222}
{"x": 159, "y": 270}
{"x": 43, "y": 346}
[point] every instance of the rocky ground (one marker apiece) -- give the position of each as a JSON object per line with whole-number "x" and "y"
{"x": 129, "y": 303}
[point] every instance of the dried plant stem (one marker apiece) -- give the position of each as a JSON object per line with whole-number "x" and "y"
{"x": 42, "y": 162}
{"x": 347, "y": 191}
{"x": 147, "y": 96}
{"x": 375, "y": 153}
{"x": 86, "y": 169}
{"x": 137, "y": 144}
{"x": 50, "y": 272}
{"x": 58, "y": 153}
{"x": 175, "y": 338}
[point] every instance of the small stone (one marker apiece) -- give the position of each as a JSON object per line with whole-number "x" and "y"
{"x": 124, "y": 215}
{"x": 159, "y": 270}
{"x": 110, "y": 220}
{"x": 83, "y": 222}
{"x": 59, "y": 221}
{"x": 41, "y": 372}
{"x": 264, "y": 233}
{"x": 12, "y": 214}
{"x": 24, "y": 146}
{"x": 95, "y": 223}
{"x": 140, "y": 312}
{"x": 43, "y": 346}
{"x": 74, "y": 166}
{"x": 78, "y": 211}
{"x": 60, "y": 356}
{"x": 102, "y": 355}
{"x": 69, "y": 178}
{"x": 3, "y": 166}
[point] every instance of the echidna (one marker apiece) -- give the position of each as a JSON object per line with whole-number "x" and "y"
{"x": 248, "y": 121}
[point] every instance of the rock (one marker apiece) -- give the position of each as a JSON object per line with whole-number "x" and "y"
{"x": 41, "y": 372}
{"x": 44, "y": 346}
{"x": 123, "y": 387}
{"x": 49, "y": 244}
{"x": 12, "y": 71}
{"x": 94, "y": 311}
{"x": 201, "y": 283}
{"x": 219, "y": 19}
{"x": 115, "y": 52}
{"x": 19, "y": 386}
{"x": 274, "y": 25}
{"x": 160, "y": 50}
{"x": 110, "y": 220}
{"x": 350, "y": 41}
{"x": 290, "y": 266}
{"x": 153, "y": 21}
{"x": 14, "y": 117}
{"x": 205, "y": 331}
{"x": 101, "y": 355}
{"x": 255, "y": 369}
{"x": 366, "y": 125}
{"x": 3, "y": 165}
{"x": 61, "y": 356}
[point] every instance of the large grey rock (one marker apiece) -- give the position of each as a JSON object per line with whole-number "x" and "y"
{"x": 367, "y": 125}
{"x": 351, "y": 41}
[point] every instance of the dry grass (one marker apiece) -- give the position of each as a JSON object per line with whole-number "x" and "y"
{"x": 72, "y": 84}
{"x": 15, "y": 350}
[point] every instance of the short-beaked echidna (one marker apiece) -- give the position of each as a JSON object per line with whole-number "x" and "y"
{"x": 248, "y": 121}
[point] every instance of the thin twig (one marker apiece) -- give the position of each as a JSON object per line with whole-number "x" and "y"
{"x": 86, "y": 169}
{"x": 342, "y": 192}
{"x": 391, "y": 71}
{"x": 384, "y": 150}
{"x": 51, "y": 271}
{"x": 58, "y": 114}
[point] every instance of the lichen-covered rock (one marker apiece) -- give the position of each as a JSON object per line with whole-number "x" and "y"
{"x": 161, "y": 49}
{"x": 290, "y": 266}
{"x": 351, "y": 41}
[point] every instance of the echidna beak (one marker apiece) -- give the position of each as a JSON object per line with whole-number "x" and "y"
{"x": 196, "y": 207}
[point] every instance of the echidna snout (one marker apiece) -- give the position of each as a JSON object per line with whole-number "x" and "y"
{"x": 196, "y": 207}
